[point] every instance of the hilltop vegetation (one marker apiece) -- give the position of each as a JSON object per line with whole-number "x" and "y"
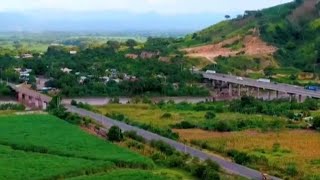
{"x": 292, "y": 28}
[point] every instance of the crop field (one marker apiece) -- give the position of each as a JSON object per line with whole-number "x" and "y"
{"x": 55, "y": 136}
{"x": 16, "y": 164}
{"x": 280, "y": 149}
{"x": 125, "y": 174}
{"x": 49, "y": 148}
{"x": 152, "y": 115}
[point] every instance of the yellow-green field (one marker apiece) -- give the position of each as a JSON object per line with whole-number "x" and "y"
{"x": 152, "y": 115}
{"x": 300, "y": 147}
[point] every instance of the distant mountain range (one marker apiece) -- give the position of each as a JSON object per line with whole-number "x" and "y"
{"x": 43, "y": 20}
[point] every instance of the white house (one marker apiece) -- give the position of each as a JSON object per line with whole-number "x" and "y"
{"x": 73, "y": 52}
{"x": 66, "y": 70}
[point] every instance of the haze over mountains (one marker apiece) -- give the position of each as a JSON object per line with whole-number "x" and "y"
{"x": 104, "y": 21}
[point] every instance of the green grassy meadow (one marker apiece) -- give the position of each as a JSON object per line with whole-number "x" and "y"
{"x": 124, "y": 174}
{"x": 153, "y": 115}
{"x": 45, "y": 147}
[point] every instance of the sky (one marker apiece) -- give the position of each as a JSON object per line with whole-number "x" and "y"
{"x": 121, "y": 15}
{"x": 165, "y": 7}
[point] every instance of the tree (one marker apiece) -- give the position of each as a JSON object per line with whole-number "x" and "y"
{"x": 316, "y": 122}
{"x": 131, "y": 43}
{"x": 268, "y": 71}
{"x": 227, "y": 16}
{"x": 115, "y": 134}
{"x": 210, "y": 115}
{"x": 114, "y": 44}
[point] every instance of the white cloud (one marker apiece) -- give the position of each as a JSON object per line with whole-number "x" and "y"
{"x": 141, "y": 6}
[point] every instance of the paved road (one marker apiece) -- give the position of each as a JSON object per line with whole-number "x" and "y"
{"x": 227, "y": 165}
{"x": 286, "y": 88}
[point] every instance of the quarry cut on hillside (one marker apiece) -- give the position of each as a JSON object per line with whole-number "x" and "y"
{"x": 251, "y": 45}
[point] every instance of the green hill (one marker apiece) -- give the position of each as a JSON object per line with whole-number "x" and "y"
{"x": 293, "y": 28}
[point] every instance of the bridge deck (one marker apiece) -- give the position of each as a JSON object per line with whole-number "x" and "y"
{"x": 291, "y": 89}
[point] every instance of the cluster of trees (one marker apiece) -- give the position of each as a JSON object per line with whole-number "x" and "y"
{"x": 250, "y": 105}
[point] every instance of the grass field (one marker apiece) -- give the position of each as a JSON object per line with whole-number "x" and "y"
{"x": 45, "y": 147}
{"x": 125, "y": 174}
{"x": 152, "y": 115}
{"x": 15, "y": 164}
{"x": 54, "y": 136}
{"x": 298, "y": 147}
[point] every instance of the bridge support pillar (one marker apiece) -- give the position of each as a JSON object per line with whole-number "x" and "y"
{"x": 248, "y": 91}
{"x": 258, "y": 93}
{"x": 300, "y": 98}
{"x": 44, "y": 105}
{"x": 20, "y": 97}
{"x": 291, "y": 97}
{"x": 230, "y": 89}
{"x": 239, "y": 90}
{"x": 277, "y": 94}
{"x": 269, "y": 95}
{"x": 213, "y": 83}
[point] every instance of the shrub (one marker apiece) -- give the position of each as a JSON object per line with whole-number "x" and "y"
{"x": 291, "y": 170}
{"x": 223, "y": 126}
{"x": 115, "y": 100}
{"x": 184, "y": 125}
{"x": 210, "y": 174}
{"x": 316, "y": 122}
{"x": 239, "y": 157}
{"x": 166, "y": 116}
{"x": 115, "y": 134}
{"x": 163, "y": 147}
{"x": 210, "y": 115}
{"x": 133, "y": 135}
{"x": 74, "y": 103}
{"x": 212, "y": 165}
{"x": 18, "y": 107}
{"x": 175, "y": 161}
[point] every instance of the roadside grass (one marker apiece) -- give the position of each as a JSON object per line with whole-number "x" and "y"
{"x": 125, "y": 174}
{"x": 153, "y": 115}
{"x": 278, "y": 149}
{"x": 7, "y": 112}
{"x": 50, "y": 135}
{"x": 16, "y": 164}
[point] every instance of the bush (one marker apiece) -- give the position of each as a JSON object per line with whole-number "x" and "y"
{"x": 184, "y": 125}
{"x": 316, "y": 122}
{"x": 115, "y": 100}
{"x": 175, "y": 161}
{"x": 115, "y": 134}
{"x": 239, "y": 157}
{"x": 17, "y": 107}
{"x": 163, "y": 147}
{"x": 210, "y": 174}
{"x": 223, "y": 126}
{"x": 210, "y": 115}
{"x": 74, "y": 103}
{"x": 291, "y": 170}
{"x": 212, "y": 165}
{"x": 133, "y": 135}
{"x": 166, "y": 116}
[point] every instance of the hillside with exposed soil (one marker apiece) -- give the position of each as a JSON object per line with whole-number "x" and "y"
{"x": 284, "y": 36}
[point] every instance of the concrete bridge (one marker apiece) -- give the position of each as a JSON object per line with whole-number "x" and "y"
{"x": 248, "y": 85}
{"x": 29, "y": 97}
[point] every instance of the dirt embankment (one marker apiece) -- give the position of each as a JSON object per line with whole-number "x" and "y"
{"x": 251, "y": 45}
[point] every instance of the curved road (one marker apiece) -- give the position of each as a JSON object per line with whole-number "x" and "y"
{"x": 226, "y": 165}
